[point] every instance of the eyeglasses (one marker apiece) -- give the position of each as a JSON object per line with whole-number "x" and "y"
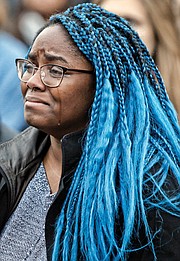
{"x": 51, "y": 74}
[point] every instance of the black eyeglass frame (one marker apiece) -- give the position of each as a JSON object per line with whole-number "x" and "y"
{"x": 64, "y": 70}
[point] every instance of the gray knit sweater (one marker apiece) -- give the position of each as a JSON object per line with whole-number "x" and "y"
{"x": 23, "y": 237}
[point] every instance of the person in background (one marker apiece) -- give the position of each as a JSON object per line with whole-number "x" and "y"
{"x": 49, "y": 7}
{"x": 157, "y": 23}
{"x": 97, "y": 175}
{"x": 32, "y": 15}
{"x": 11, "y": 102}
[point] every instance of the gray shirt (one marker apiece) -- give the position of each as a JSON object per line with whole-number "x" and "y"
{"x": 23, "y": 237}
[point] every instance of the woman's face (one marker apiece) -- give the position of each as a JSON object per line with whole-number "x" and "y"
{"x": 135, "y": 13}
{"x": 58, "y": 111}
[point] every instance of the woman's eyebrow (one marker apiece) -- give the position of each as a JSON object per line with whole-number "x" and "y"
{"x": 32, "y": 57}
{"x": 52, "y": 57}
{"x": 49, "y": 57}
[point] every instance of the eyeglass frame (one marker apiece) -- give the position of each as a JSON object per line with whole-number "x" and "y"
{"x": 35, "y": 69}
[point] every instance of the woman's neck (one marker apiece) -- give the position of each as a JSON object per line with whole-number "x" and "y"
{"x": 53, "y": 164}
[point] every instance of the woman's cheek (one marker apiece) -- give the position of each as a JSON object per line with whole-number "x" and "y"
{"x": 23, "y": 88}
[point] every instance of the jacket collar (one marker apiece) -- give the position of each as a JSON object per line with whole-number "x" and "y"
{"x": 21, "y": 157}
{"x": 31, "y": 146}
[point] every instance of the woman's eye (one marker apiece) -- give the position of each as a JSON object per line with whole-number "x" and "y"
{"x": 28, "y": 68}
{"x": 55, "y": 71}
{"x": 133, "y": 22}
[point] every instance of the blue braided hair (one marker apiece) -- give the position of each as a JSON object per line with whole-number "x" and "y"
{"x": 131, "y": 151}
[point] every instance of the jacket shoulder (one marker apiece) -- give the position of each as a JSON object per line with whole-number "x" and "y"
{"x": 22, "y": 147}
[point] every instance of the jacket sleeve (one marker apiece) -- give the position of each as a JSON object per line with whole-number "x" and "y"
{"x": 4, "y": 206}
{"x": 165, "y": 227}
{"x": 166, "y": 241}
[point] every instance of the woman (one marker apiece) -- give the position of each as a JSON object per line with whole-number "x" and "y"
{"x": 157, "y": 23}
{"x": 97, "y": 177}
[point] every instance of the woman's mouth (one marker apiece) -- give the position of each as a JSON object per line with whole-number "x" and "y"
{"x": 35, "y": 100}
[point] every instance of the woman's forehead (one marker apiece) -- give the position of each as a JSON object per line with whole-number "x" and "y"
{"x": 55, "y": 37}
{"x": 54, "y": 41}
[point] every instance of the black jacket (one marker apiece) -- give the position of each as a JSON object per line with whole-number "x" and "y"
{"x": 19, "y": 161}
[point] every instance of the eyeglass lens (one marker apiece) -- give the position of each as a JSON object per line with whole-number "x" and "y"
{"x": 51, "y": 75}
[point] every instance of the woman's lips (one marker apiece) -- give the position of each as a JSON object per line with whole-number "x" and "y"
{"x": 35, "y": 100}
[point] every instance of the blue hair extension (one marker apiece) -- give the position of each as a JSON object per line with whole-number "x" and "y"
{"x": 131, "y": 149}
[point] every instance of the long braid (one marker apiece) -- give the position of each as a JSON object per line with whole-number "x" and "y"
{"x": 114, "y": 49}
{"x": 132, "y": 131}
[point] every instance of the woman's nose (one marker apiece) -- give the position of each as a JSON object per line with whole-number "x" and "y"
{"x": 35, "y": 81}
